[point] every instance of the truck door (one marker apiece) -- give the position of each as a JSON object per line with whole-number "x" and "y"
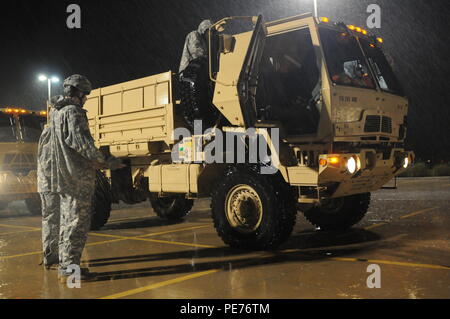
{"x": 237, "y": 78}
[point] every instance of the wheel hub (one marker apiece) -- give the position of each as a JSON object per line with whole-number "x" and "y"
{"x": 244, "y": 208}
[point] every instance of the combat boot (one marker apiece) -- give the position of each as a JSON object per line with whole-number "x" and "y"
{"x": 52, "y": 266}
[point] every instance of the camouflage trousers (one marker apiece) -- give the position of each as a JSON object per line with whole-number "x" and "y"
{"x": 65, "y": 225}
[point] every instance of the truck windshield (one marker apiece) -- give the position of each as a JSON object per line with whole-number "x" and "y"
{"x": 7, "y": 132}
{"x": 346, "y": 62}
{"x": 32, "y": 127}
{"x": 382, "y": 69}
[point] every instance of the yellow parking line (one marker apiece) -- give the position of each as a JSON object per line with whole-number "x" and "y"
{"x": 375, "y": 225}
{"x": 14, "y": 226}
{"x": 19, "y": 231}
{"x": 175, "y": 243}
{"x": 418, "y": 212}
{"x": 387, "y": 262}
{"x": 111, "y": 236}
{"x": 160, "y": 284}
{"x": 129, "y": 218}
{"x": 402, "y": 217}
{"x": 21, "y": 255}
{"x": 117, "y": 239}
{"x": 104, "y": 242}
{"x": 174, "y": 230}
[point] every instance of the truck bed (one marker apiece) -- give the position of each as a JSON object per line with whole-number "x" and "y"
{"x": 135, "y": 117}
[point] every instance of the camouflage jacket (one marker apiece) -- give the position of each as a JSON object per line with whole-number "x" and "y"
{"x": 195, "y": 46}
{"x": 66, "y": 151}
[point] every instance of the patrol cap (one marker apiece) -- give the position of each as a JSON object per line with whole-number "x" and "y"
{"x": 80, "y": 82}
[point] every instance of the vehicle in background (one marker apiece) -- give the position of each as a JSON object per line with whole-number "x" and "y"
{"x": 20, "y": 130}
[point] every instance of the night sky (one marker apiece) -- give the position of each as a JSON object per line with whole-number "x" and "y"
{"x": 125, "y": 40}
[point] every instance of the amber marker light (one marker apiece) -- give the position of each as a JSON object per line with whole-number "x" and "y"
{"x": 323, "y": 162}
{"x": 325, "y": 19}
{"x": 334, "y": 160}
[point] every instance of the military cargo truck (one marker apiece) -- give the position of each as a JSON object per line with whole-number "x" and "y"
{"x": 20, "y": 130}
{"x": 321, "y": 95}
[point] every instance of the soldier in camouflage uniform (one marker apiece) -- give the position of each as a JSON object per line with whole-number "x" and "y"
{"x": 67, "y": 158}
{"x": 193, "y": 72}
{"x": 195, "y": 46}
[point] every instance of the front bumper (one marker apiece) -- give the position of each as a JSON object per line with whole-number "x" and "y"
{"x": 373, "y": 171}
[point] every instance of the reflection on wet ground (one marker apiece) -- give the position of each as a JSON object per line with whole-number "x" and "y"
{"x": 137, "y": 255}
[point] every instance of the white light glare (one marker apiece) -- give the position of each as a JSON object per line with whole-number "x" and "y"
{"x": 55, "y": 79}
{"x": 406, "y": 162}
{"x": 351, "y": 165}
{"x": 42, "y": 78}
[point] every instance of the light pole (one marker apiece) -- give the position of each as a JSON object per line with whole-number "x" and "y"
{"x": 49, "y": 80}
{"x": 315, "y": 9}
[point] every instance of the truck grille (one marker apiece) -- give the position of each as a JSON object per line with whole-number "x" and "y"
{"x": 386, "y": 125}
{"x": 372, "y": 124}
{"x": 376, "y": 123}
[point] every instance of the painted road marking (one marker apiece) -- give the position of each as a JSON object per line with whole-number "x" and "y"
{"x": 204, "y": 273}
{"x": 401, "y": 217}
{"x": 173, "y": 231}
{"x": 375, "y": 225}
{"x": 116, "y": 239}
{"x": 418, "y": 212}
{"x": 177, "y": 243}
{"x": 20, "y": 231}
{"x": 160, "y": 284}
{"x": 14, "y": 226}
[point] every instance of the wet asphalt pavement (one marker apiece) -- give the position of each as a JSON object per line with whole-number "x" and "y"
{"x": 137, "y": 255}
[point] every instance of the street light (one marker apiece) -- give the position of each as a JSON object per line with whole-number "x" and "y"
{"x": 50, "y": 80}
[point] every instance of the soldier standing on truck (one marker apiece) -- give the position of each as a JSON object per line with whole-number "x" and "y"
{"x": 67, "y": 159}
{"x": 193, "y": 72}
{"x": 195, "y": 51}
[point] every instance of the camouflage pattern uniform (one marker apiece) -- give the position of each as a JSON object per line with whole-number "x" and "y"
{"x": 195, "y": 87}
{"x": 195, "y": 46}
{"x": 66, "y": 181}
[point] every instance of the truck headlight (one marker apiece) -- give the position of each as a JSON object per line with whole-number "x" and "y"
{"x": 353, "y": 164}
{"x": 406, "y": 162}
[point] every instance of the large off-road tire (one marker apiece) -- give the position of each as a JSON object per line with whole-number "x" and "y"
{"x": 253, "y": 211}
{"x": 340, "y": 213}
{"x": 171, "y": 208}
{"x": 102, "y": 199}
{"x": 34, "y": 205}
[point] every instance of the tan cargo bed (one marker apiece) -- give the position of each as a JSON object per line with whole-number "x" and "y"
{"x": 130, "y": 116}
